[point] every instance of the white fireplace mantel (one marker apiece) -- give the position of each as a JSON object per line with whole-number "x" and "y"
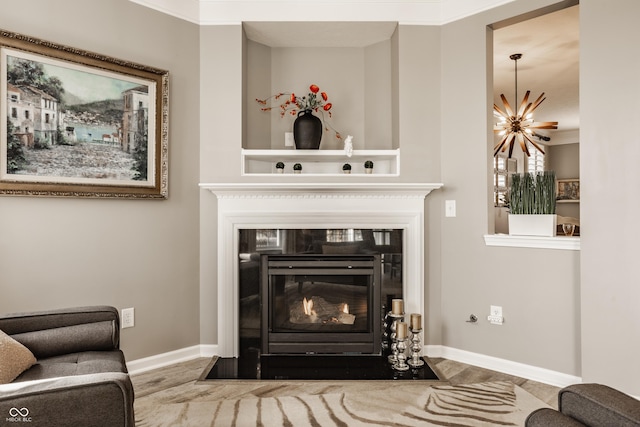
{"x": 315, "y": 205}
{"x": 308, "y": 189}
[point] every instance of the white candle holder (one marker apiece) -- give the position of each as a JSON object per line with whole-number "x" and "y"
{"x": 415, "y": 361}
{"x": 393, "y": 357}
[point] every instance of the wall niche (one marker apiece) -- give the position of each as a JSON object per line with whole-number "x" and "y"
{"x": 350, "y": 61}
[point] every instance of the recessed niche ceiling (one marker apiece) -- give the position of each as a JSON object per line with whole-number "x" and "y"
{"x": 319, "y": 34}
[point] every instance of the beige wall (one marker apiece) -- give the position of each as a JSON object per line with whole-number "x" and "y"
{"x": 572, "y": 312}
{"x": 257, "y": 72}
{"x": 527, "y": 283}
{"x": 357, "y": 81}
{"x": 377, "y": 96}
{"x": 610, "y": 293}
{"x": 564, "y": 159}
{"x": 221, "y": 129}
{"x": 61, "y": 252}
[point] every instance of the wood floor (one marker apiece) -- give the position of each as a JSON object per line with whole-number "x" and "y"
{"x": 179, "y": 380}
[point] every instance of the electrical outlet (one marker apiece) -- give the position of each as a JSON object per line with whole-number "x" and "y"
{"x": 128, "y": 318}
{"x": 495, "y": 316}
{"x": 496, "y": 310}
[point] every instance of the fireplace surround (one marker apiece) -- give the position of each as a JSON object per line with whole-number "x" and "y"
{"x": 314, "y": 205}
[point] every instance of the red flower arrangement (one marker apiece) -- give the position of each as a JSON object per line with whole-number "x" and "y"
{"x": 294, "y": 104}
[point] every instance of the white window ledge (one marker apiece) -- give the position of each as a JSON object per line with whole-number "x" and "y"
{"x": 558, "y": 242}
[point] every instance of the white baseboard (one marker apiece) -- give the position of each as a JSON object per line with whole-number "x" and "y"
{"x": 521, "y": 370}
{"x": 208, "y": 350}
{"x": 529, "y": 372}
{"x": 164, "y": 359}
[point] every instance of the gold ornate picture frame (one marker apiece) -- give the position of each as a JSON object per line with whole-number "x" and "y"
{"x": 80, "y": 124}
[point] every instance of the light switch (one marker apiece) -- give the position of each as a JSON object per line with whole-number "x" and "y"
{"x": 450, "y": 208}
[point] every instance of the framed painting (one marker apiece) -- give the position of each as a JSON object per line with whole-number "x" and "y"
{"x": 76, "y": 123}
{"x": 568, "y": 190}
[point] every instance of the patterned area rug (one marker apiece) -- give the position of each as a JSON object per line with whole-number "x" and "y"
{"x": 483, "y": 404}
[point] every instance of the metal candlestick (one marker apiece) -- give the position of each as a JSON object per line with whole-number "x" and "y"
{"x": 415, "y": 361}
{"x": 401, "y": 364}
{"x": 385, "y": 332}
{"x": 393, "y": 357}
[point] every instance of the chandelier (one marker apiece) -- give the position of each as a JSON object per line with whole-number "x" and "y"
{"x": 518, "y": 126}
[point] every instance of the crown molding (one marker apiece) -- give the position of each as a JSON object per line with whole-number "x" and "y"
{"x": 408, "y": 12}
{"x": 187, "y": 10}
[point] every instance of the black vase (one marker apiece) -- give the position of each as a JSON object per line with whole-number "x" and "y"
{"x": 307, "y": 131}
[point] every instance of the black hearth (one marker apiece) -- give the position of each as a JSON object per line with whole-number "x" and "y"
{"x": 252, "y": 366}
{"x": 321, "y": 304}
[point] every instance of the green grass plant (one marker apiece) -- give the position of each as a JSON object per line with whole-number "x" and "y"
{"x": 533, "y": 193}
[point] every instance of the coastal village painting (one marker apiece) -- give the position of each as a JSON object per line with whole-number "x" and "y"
{"x": 68, "y": 123}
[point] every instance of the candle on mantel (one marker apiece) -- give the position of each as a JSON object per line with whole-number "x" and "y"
{"x": 397, "y": 306}
{"x": 401, "y": 330}
{"x": 416, "y": 321}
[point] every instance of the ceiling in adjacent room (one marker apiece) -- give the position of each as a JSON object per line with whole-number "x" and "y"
{"x": 549, "y": 45}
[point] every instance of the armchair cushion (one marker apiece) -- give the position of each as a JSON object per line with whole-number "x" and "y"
{"x": 15, "y": 358}
{"x": 83, "y": 363}
{"x": 599, "y": 405}
{"x": 96, "y": 400}
{"x": 593, "y": 405}
{"x": 547, "y": 417}
{"x": 95, "y": 336}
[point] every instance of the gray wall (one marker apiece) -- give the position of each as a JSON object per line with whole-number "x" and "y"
{"x": 61, "y": 252}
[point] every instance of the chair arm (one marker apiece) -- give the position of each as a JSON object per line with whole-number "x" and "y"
{"x": 599, "y": 405}
{"x": 104, "y": 399}
{"x": 547, "y": 417}
{"x": 19, "y": 323}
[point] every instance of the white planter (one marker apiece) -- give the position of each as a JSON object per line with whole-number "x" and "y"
{"x": 532, "y": 225}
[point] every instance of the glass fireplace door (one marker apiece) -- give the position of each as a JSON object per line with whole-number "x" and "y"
{"x": 320, "y": 304}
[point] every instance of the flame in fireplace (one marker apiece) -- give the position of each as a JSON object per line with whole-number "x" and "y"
{"x": 345, "y": 308}
{"x": 307, "y": 305}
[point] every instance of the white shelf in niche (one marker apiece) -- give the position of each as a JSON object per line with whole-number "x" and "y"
{"x": 320, "y": 162}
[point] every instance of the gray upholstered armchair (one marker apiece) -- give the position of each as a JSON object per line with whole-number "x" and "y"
{"x": 75, "y": 372}
{"x": 592, "y": 405}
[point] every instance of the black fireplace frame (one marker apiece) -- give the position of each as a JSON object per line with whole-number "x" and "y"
{"x": 300, "y": 342}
